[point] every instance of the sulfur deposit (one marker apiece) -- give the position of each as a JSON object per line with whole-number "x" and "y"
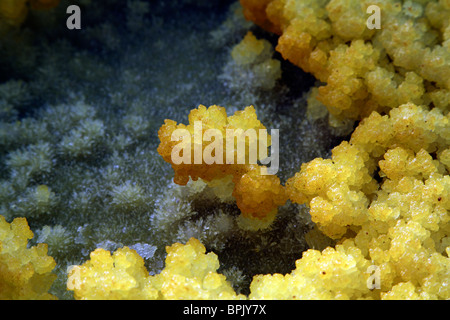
{"x": 118, "y": 182}
{"x": 383, "y": 194}
{"x": 189, "y": 273}
{"x": 400, "y": 224}
{"x": 362, "y": 69}
{"x": 255, "y": 55}
{"x": 25, "y": 272}
{"x": 257, "y": 195}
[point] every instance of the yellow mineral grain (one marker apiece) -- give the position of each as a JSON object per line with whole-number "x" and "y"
{"x": 250, "y": 49}
{"x": 401, "y": 264}
{"x": 257, "y": 195}
{"x": 256, "y": 55}
{"x": 255, "y": 10}
{"x": 340, "y": 190}
{"x": 237, "y": 144}
{"x": 190, "y": 273}
{"x": 25, "y": 273}
{"x": 201, "y": 120}
{"x": 339, "y": 273}
{"x": 118, "y": 276}
{"x": 364, "y": 69}
{"x": 400, "y": 221}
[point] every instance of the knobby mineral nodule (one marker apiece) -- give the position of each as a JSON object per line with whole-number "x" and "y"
{"x": 234, "y": 145}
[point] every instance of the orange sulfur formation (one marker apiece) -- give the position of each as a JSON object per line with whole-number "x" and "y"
{"x": 407, "y": 60}
{"x": 257, "y": 195}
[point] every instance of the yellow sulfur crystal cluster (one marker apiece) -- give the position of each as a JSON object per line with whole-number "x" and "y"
{"x": 257, "y": 195}
{"x": 384, "y": 195}
{"x": 402, "y": 262}
{"x": 189, "y": 274}
{"x": 400, "y": 224}
{"x": 363, "y": 69}
{"x": 256, "y": 55}
{"x": 118, "y": 276}
{"x": 214, "y": 117}
{"x": 250, "y": 50}
{"x": 25, "y": 273}
{"x": 332, "y": 274}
